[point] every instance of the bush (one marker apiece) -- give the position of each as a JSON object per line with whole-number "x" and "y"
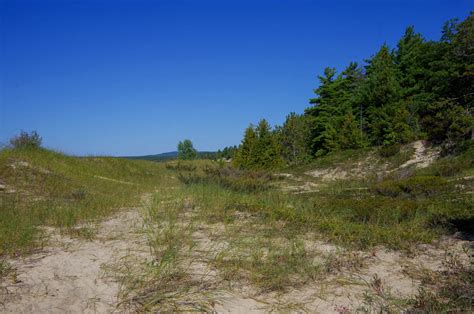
{"x": 389, "y": 150}
{"x": 449, "y": 166}
{"x": 414, "y": 186}
{"x": 181, "y": 166}
{"x": 26, "y": 141}
{"x": 451, "y": 292}
{"x": 230, "y": 178}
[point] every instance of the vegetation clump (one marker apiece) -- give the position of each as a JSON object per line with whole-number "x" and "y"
{"x": 413, "y": 186}
{"x": 26, "y": 140}
{"x": 186, "y": 150}
{"x": 230, "y": 178}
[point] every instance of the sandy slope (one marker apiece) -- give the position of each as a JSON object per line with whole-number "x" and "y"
{"x": 68, "y": 276}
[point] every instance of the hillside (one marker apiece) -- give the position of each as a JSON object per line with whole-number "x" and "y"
{"x": 358, "y": 230}
{"x": 41, "y": 187}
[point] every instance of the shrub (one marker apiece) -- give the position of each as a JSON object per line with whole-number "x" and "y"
{"x": 26, "y": 141}
{"x": 389, "y": 150}
{"x": 388, "y": 188}
{"x": 414, "y": 186}
{"x": 451, "y": 292}
{"x": 181, "y": 166}
{"x": 447, "y": 167}
{"x": 230, "y": 178}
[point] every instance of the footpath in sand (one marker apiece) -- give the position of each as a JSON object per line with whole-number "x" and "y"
{"x": 69, "y": 275}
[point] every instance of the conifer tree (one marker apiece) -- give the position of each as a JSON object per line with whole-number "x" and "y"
{"x": 294, "y": 139}
{"x": 350, "y": 135}
{"x": 243, "y": 157}
{"x": 266, "y": 153}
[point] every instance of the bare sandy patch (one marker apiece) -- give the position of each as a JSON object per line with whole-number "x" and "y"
{"x": 68, "y": 275}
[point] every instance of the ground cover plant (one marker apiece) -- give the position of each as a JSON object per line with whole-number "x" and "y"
{"x": 46, "y": 188}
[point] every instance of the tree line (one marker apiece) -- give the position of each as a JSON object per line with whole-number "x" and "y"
{"x": 421, "y": 89}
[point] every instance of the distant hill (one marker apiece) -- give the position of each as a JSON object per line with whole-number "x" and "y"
{"x": 170, "y": 156}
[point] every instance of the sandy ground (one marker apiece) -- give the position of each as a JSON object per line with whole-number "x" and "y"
{"x": 68, "y": 276}
{"x": 343, "y": 290}
{"x": 423, "y": 156}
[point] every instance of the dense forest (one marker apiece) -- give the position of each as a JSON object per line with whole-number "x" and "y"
{"x": 422, "y": 89}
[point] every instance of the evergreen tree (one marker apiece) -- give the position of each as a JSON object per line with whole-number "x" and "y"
{"x": 266, "y": 153}
{"x": 294, "y": 138}
{"x": 243, "y": 157}
{"x": 403, "y": 132}
{"x": 380, "y": 92}
{"x": 350, "y": 135}
{"x": 420, "y": 89}
{"x": 336, "y": 98}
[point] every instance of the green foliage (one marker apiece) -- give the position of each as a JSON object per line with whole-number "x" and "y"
{"x": 389, "y": 150}
{"x": 244, "y": 154}
{"x": 230, "y": 178}
{"x": 186, "y": 150}
{"x": 294, "y": 137}
{"x": 227, "y": 153}
{"x": 181, "y": 165}
{"x": 26, "y": 141}
{"x": 332, "y": 110}
{"x": 259, "y": 148}
{"x": 350, "y": 135}
{"x": 413, "y": 186}
{"x": 52, "y": 189}
{"x": 421, "y": 89}
{"x": 446, "y": 120}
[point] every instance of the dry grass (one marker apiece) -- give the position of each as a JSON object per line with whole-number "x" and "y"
{"x": 167, "y": 282}
{"x": 45, "y": 188}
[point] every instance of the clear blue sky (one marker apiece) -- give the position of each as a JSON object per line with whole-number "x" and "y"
{"x": 135, "y": 77}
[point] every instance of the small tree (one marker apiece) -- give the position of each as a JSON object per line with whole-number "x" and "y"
{"x": 245, "y": 151}
{"x": 186, "y": 150}
{"x": 295, "y": 139}
{"x": 26, "y": 141}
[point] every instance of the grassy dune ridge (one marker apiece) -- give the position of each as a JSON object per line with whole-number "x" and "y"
{"x": 46, "y": 188}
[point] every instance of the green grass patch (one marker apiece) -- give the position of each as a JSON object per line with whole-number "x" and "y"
{"x": 46, "y": 188}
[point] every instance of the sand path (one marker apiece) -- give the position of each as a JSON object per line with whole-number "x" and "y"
{"x": 69, "y": 275}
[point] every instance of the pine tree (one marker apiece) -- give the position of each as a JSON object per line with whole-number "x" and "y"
{"x": 243, "y": 157}
{"x": 266, "y": 153}
{"x": 294, "y": 138}
{"x": 336, "y": 98}
{"x": 380, "y": 91}
{"x": 350, "y": 135}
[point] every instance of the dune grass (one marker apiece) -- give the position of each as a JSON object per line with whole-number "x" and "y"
{"x": 166, "y": 282}
{"x": 46, "y": 188}
{"x": 393, "y": 211}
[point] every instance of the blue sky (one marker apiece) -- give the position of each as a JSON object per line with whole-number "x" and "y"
{"x": 135, "y": 77}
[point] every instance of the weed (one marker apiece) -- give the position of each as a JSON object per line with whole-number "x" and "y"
{"x": 165, "y": 283}
{"x": 453, "y": 290}
{"x": 5, "y": 268}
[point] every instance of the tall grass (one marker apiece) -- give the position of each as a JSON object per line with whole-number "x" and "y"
{"x": 45, "y": 188}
